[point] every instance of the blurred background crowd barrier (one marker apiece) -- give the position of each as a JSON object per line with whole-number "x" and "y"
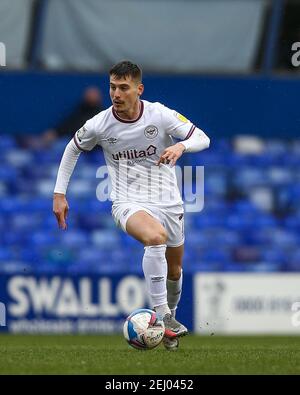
{"x": 229, "y": 66}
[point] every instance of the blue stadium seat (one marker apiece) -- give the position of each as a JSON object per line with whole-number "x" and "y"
{"x": 81, "y": 188}
{"x": 285, "y": 239}
{"x": 235, "y": 267}
{"x": 5, "y": 254}
{"x": 8, "y": 173}
{"x": 18, "y": 158}
{"x": 7, "y": 142}
{"x": 247, "y": 177}
{"x": 216, "y": 255}
{"x": 293, "y": 263}
{"x": 13, "y": 237}
{"x": 58, "y": 255}
{"x": 207, "y": 267}
{"x": 21, "y": 222}
{"x": 14, "y": 266}
{"x": 292, "y": 222}
{"x": 105, "y": 239}
{"x": 44, "y": 237}
{"x": 273, "y": 255}
{"x": 262, "y": 267}
{"x": 74, "y": 238}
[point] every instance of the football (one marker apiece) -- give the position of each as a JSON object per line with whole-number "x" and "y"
{"x": 144, "y": 329}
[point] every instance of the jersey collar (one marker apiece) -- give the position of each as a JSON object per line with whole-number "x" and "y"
{"x": 127, "y": 120}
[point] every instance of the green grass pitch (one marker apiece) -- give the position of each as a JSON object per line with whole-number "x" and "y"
{"x": 106, "y": 354}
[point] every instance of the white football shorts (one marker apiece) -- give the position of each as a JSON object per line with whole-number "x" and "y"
{"x": 171, "y": 218}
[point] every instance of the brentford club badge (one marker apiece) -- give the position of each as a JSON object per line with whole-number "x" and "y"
{"x": 151, "y": 132}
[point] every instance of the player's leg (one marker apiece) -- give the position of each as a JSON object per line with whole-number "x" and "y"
{"x": 149, "y": 231}
{"x": 146, "y": 229}
{"x": 174, "y": 223}
{"x": 174, "y": 256}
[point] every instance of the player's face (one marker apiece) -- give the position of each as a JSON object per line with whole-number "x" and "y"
{"x": 125, "y": 93}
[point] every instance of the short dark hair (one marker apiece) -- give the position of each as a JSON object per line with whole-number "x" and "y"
{"x": 125, "y": 69}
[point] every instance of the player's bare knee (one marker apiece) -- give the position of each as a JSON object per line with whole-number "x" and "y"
{"x": 157, "y": 238}
{"x": 174, "y": 273}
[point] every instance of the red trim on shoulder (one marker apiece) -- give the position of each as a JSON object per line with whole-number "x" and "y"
{"x": 77, "y": 145}
{"x": 191, "y": 131}
{"x": 127, "y": 120}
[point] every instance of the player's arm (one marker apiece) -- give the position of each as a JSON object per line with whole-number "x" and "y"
{"x": 84, "y": 140}
{"x": 60, "y": 209}
{"x": 66, "y": 168}
{"x": 193, "y": 138}
{"x": 171, "y": 154}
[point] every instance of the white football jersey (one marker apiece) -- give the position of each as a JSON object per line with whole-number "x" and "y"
{"x": 132, "y": 148}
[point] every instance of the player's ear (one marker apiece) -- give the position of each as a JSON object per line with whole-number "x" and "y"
{"x": 140, "y": 89}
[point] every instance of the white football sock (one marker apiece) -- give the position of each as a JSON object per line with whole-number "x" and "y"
{"x": 174, "y": 289}
{"x": 155, "y": 271}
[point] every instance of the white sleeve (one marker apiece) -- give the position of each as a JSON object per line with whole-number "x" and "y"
{"x": 175, "y": 124}
{"x": 178, "y": 126}
{"x": 197, "y": 141}
{"x": 86, "y": 138}
{"x": 66, "y": 167}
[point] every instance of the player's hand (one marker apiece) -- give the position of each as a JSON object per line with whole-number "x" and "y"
{"x": 60, "y": 209}
{"x": 171, "y": 154}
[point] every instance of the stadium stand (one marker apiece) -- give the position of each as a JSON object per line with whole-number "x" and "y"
{"x": 251, "y": 213}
